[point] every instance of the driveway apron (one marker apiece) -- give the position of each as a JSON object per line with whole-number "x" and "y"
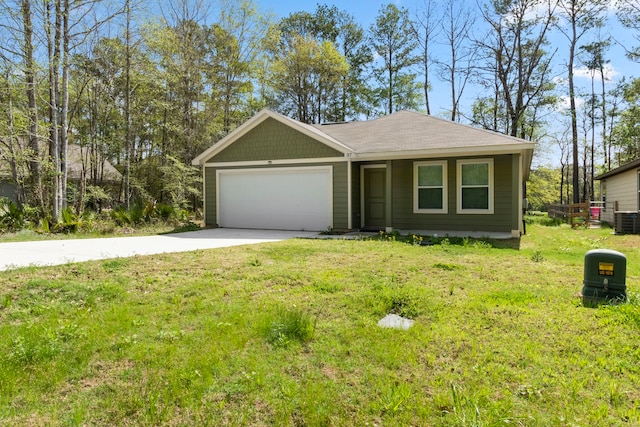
{"x": 56, "y": 252}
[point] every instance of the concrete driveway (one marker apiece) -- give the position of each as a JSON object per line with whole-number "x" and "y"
{"x": 55, "y": 252}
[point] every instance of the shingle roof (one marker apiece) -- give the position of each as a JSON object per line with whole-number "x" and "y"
{"x": 76, "y": 157}
{"x": 403, "y": 134}
{"x": 409, "y": 131}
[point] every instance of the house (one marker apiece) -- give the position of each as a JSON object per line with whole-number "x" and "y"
{"x": 78, "y": 159}
{"x": 405, "y": 171}
{"x": 620, "y": 188}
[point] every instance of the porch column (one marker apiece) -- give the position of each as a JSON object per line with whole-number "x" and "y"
{"x": 389, "y": 197}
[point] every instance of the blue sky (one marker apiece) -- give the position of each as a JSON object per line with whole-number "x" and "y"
{"x": 364, "y": 11}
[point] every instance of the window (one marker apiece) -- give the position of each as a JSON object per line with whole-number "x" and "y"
{"x": 430, "y": 189}
{"x": 475, "y": 186}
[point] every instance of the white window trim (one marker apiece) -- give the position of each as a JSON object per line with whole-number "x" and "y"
{"x": 445, "y": 203}
{"x": 459, "y": 164}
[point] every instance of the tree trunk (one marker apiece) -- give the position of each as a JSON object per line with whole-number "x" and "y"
{"x": 607, "y": 159}
{"x": 562, "y": 167}
{"x": 35, "y": 179}
{"x": 390, "y": 106}
{"x": 127, "y": 110}
{"x": 53, "y": 41}
{"x": 593, "y": 134}
{"x": 574, "y": 118}
{"x": 64, "y": 118}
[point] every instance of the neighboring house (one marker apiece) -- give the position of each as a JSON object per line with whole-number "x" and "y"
{"x": 7, "y": 188}
{"x": 620, "y": 189}
{"x": 405, "y": 171}
{"x": 77, "y": 159}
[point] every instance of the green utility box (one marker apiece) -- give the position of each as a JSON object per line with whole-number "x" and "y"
{"x": 605, "y": 274}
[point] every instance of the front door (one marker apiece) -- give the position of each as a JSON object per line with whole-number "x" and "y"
{"x": 375, "y": 198}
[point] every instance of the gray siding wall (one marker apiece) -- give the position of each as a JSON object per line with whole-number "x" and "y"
{"x": 272, "y": 140}
{"x": 340, "y": 192}
{"x": 502, "y": 220}
{"x": 8, "y": 190}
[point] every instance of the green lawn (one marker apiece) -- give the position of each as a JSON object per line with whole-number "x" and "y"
{"x": 286, "y": 334}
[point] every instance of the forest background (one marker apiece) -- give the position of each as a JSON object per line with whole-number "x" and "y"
{"x": 146, "y": 86}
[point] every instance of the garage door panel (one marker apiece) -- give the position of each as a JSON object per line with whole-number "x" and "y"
{"x": 290, "y": 199}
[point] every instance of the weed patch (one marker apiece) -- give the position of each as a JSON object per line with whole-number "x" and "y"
{"x": 285, "y": 326}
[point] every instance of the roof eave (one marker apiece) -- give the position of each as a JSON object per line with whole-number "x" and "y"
{"x": 524, "y": 148}
{"x": 621, "y": 169}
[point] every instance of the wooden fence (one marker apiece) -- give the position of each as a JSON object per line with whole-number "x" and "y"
{"x": 576, "y": 214}
{"x": 594, "y": 212}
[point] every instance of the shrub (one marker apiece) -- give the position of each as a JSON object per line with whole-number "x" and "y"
{"x": 97, "y": 198}
{"x": 11, "y": 216}
{"x": 133, "y": 216}
{"x": 121, "y": 216}
{"x": 165, "y": 211}
{"x": 70, "y": 222}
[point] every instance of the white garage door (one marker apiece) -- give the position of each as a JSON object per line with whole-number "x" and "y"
{"x": 277, "y": 199}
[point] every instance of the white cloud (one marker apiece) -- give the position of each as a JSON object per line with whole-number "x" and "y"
{"x": 609, "y": 73}
{"x": 564, "y": 103}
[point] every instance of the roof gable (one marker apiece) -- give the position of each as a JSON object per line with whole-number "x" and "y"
{"x": 259, "y": 118}
{"x": 270, "y": 140}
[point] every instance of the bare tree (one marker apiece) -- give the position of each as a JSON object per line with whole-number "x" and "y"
{"x": 596, "y": 62}
{"x": 580, "y": 16}
{"x": 426, "y": 29}
{"x": 564, "y": 145}
{"x": 29, "y": 75}
{"x": 517, "y": 58}
{"x": 127, "y": 107}
{"x": 53, "y": 30}
{"x": 457, "y": 24}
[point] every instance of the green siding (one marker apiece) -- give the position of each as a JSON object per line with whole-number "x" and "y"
{"x": 515, "y": 192}
{"x": 502, "y": 220}
{"x": 340, "y": 192}
{"x": 340, "y": 196}
{"x": 272, "y": 140}
{"x": 210, "y": 197}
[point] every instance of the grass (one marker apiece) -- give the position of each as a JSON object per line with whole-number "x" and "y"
{"x": 285, "y": 334}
